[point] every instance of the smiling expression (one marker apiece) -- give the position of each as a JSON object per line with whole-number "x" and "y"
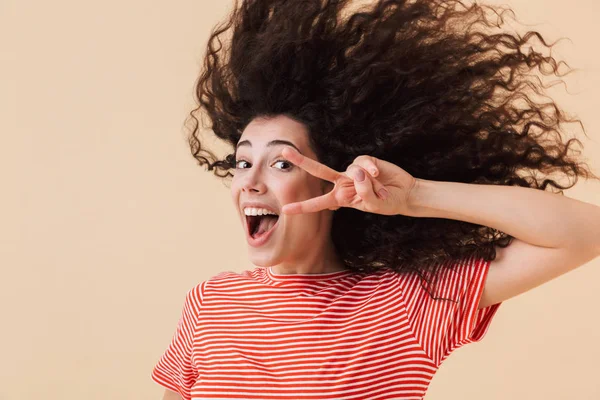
{"x": 263, "y": 175}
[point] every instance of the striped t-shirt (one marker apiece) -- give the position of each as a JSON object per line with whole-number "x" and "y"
{"x": 337, "y": 335}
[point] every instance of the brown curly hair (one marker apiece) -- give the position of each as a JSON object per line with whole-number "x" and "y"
{"x": 423, "y": 84}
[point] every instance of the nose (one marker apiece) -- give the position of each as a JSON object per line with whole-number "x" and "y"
{"x": 253, "y": 181}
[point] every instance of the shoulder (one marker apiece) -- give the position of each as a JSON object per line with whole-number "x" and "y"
{"x": 450, "y": 278}
{"x": 223, "y": 279}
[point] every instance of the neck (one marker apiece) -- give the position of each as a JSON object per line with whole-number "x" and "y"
{"x": 314, "y": 262}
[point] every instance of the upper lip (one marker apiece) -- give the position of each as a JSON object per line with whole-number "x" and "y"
{"x": 257, "y": 204}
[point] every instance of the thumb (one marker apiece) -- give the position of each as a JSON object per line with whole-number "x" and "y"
{"x": 369, "y": 188}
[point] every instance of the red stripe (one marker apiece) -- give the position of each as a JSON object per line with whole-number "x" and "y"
{"x": 257, "y": 334}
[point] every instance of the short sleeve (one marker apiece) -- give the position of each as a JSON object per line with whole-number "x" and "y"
{"x": 442, "y": 326}
{"x": 175, "y": 369}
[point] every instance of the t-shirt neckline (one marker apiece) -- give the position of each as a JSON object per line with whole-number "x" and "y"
{"x": 307, "y": 277}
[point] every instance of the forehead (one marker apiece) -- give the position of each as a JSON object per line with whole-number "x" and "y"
{"x": 260, "y": 131}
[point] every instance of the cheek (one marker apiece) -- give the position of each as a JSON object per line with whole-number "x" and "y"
{"x": 235, "y": 193}
{"x": 235, "y": 186}
{"x": 295, "y": 191}
{"x": 290, "y": 193}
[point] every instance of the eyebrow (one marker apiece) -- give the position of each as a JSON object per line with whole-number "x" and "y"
{"x": 276, "y": 142}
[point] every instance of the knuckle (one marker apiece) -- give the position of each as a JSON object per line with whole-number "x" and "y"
{"x": 350, "y": 169}
{"x": 362, "y": 158}
{"x": 366, "y": 193}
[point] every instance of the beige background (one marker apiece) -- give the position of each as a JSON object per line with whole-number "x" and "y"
{"x": 107, "y": 221}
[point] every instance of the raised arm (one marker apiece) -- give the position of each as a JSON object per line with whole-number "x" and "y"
{"x": 553, "y": 233}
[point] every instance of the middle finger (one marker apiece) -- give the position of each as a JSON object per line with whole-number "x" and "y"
{"x": 311, "y": 205}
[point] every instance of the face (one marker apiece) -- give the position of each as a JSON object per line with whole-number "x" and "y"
{"x": 263, "y": 175}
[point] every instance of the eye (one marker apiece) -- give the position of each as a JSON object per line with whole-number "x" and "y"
{"x": 239, "y": 161}
{"x": 285, "y": 162}
{"x": 278, "y": 161}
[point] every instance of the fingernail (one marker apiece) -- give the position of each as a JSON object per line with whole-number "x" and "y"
{"x": 360, "y": 175}
{"x": 383, "y": 193}
{"x": 373, "y": 171}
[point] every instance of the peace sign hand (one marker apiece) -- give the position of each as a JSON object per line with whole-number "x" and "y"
{"x": 349, "y": 191}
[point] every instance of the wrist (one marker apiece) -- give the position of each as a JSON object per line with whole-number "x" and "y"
{"x": 417, "y": 193}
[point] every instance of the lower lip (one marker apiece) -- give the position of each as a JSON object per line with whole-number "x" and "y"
{"x": 257, "y": 242}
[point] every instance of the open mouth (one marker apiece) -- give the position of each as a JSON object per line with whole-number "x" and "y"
{"x": 258, "y": 225}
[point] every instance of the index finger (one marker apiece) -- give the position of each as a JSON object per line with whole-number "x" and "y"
{"x": 311, "y": 166}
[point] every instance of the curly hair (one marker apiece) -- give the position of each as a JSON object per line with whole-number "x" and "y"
{"x": 423, "y": 84}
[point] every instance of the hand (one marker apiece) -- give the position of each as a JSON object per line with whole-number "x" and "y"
{"x": 348, "y": 191}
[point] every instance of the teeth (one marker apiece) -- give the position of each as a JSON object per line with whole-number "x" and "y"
{"x": 257, "y": 211}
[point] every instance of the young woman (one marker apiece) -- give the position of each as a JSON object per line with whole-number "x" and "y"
{"x": 366, "y": 280}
